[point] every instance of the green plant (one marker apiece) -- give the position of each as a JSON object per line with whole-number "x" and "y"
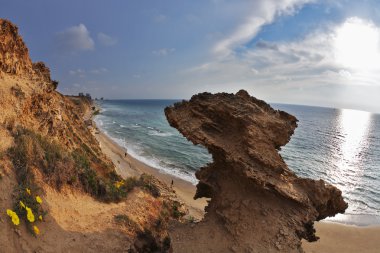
{"x": 27, "y": 204}
{"x": 16, "y": 90}
{"x": 176, "y": 213}
{"x": 147, "y": 182}
{"x": 166, "y": 243}
{"x": 59, "y": 166}
{"x": 125, "y": 220}
{"x": 32, "y": 149}
{"x": 54, "y": 83}
{"x": 191, "y": 219}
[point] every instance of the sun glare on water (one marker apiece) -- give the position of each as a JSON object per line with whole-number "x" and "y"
{"x": 357, "y": 45}
{"x": 353, "y": 129}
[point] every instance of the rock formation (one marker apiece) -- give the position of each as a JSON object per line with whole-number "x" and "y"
{"x": 14, "y": 56}
{"x": 257, "y": 203}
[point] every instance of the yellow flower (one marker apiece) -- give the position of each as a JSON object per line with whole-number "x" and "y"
{"x": 28, "y": 191}
{"x": 14, "y": 217}
{"x": 22, "y": 204}
{"x": 36, "y": 230}
{"x": 38, "y": 199}
{"x": 118, "y": 184}
{"x": 29, "y": 214}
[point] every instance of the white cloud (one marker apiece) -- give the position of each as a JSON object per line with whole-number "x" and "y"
{"x": 98, "y": 71}
{"x": 78, "y": 72}
{"x": 302, "y": 71}
{"x": 163, "y": 51}
{"x": 75, "y": 38}
{"x": 106, "y": 40}
{"x": 160, "y": 18}
{"x": 82, "y": 73}
{"x": 264, "y": 12}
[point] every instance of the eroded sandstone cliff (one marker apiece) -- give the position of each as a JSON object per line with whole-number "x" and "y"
{"x": 47, "y": 150}
{"x": 257, "y": 203}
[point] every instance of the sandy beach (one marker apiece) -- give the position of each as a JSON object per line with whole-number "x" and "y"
{"x": 334, "y": 237}
{"x": 129, "y": 166}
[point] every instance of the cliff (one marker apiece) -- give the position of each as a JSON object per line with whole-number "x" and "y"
{"x": 47, "y": 151}
{"x": 257, "y": 203}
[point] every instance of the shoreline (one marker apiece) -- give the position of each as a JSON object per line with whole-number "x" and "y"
{"x": 334, "y": 236}
{"x": 130, "y": 166}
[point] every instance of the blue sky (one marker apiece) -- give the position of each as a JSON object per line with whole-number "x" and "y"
{"x": 323, "y": 53}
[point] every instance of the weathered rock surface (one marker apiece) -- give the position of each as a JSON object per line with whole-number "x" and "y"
{"x": 257, "y": 203}
{"x": 14, "y": 56}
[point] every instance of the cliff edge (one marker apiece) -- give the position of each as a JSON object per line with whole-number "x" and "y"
{"x": 59, "y": 192}
{"x": 257, "y": 203}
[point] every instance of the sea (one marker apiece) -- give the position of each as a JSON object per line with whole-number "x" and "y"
{"x": 340, "y": 146}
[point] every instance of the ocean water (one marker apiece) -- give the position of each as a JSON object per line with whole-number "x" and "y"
{"x": 339, "y": 146}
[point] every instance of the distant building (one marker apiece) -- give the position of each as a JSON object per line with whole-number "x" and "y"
{"x": 81, "y": 94}
{"x": 88, "y": 95}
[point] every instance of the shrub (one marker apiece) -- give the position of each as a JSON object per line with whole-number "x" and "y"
{"x": 54, "y": 83}
{"x": 166, "y": 243}
{"x": 125, "y": 220}
{"x": 176, "y": 213}
{"x": 17, "y": 91}
{"x": 60, "y": 166}
{"x": 32, "y": 149}
{"x": 147, "y": 182}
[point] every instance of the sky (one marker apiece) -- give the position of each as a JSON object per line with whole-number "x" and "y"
{"x": 323, "y": 53}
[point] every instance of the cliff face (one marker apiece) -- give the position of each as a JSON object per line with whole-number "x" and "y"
{"x": 28, "y": 98}
{"x": 14, "y": 56}
{"x": 257, "y": 204}
{"x": 46, "y": 147}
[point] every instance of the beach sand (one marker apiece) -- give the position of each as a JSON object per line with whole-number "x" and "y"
{"x": 129, "y": 166}
{"x": 334, "y": 238}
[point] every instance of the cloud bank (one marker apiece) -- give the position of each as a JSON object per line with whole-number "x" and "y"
{"x": 74, "y": 39}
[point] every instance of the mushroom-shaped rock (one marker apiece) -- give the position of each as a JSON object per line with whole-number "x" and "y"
{"x": 257, "y": 203}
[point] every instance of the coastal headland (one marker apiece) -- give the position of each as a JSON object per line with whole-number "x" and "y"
{"x": 67, "y": 187}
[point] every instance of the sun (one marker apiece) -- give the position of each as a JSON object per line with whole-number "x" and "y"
{"x": 357, "y": 45}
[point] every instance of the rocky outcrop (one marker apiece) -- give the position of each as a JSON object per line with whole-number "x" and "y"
{"x": 257, "y": 203}
{"x": 14, "y": 55}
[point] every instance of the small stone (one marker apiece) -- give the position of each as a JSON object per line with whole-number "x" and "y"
{"x": 278, "y": 246}
{"x": 246, "y": 202}
{"x": 264, "y": 212}
{"x": 17, "y": 231}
